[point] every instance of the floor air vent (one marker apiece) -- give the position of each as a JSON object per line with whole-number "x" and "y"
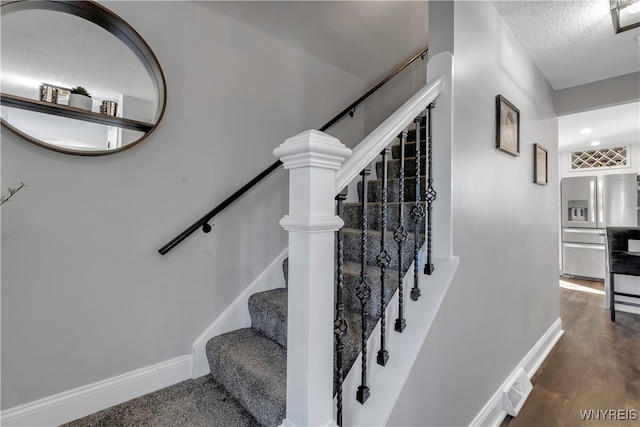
{"x": 514, "y": 396}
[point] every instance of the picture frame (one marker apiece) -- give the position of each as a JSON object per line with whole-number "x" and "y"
{"x": 540, "y": 165}
{"x": 507, "y": 126}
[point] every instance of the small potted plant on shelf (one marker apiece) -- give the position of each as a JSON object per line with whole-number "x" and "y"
{"x": 80, "y": 98}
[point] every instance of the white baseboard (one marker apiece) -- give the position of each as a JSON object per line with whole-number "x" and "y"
{"x": 236, "y": 316}
{"x": 492, "y": 414}
{"x": 82, "y": 401}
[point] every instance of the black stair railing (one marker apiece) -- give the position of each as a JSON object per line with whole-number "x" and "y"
{"x": 415, "y": 221}
{"x": 340, "y": 325}
{"x": 203, "y": 222}
{"x": 400, "y": 237}
{"x": 363, "y": 291}
{"x": 383, "y": 260}
{"x": 417, "y": 214}
{"x": 430, "y": 194}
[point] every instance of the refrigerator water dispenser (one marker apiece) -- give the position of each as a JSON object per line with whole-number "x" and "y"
{"x": 578, "y": 210}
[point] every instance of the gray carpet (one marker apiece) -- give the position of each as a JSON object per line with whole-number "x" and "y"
{"x": 193, "y": 403}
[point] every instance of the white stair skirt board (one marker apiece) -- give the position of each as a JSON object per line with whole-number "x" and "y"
{"x": 236, "y": 316}
{"x": 388, "y": 381}
{"x": 82, "y": 401}
{"x": 493, "y": 412}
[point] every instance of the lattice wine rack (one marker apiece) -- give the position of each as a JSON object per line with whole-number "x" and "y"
{"x": 599, "y": 158}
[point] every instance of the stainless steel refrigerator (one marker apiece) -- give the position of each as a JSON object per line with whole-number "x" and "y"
{"x": 589, "y": 204}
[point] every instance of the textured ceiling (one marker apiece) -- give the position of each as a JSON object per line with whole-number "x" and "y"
{"x": 572, "y": 42}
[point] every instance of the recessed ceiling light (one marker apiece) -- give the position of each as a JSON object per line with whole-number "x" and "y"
{"x": 594, "y": 143}
{"x": 585, "y": 131}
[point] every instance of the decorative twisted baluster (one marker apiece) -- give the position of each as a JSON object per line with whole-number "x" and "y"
{"x": 430, "y": 194}
{"x": 340, "y": 325}
{"x": 400, "y": 235}
{"x": 383, "y": 260}
{"x": 363, "y": 292}
{"x": 417, "y": 214}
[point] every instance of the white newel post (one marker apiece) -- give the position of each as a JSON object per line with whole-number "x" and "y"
{"x": 312, "y": 158}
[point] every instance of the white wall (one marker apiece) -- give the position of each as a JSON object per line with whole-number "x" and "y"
{"x": 85, "y": 294}
{"x": 393, "y": 94}
{"x": 505, "y": 294}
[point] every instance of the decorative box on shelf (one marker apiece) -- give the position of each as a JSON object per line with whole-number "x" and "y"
{"x": 110, "y": 108}
{"x": 54, "y": 94}
{"x": 48, "y": 93}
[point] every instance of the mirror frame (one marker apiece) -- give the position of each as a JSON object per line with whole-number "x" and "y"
{"x": 103, "y": 17}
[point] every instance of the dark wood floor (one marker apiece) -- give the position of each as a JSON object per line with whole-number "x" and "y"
{"x": 594, "y": 366}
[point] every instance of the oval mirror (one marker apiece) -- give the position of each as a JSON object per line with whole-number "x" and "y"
{"x": 51, "y": 51}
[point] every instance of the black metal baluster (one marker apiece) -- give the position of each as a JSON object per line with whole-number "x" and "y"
{"x": 417, "y": 214}
{"x": 400, "y": 235}
{"x": 340, "y": 325}
{"x": 363, "y": 292}
{"x": 430, "y": 194}
{"x": 383, "y": 261}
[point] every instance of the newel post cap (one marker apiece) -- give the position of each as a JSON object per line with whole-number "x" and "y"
{"x": 312, "y": 148}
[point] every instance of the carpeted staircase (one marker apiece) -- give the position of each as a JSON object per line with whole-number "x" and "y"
{"x": 251, "y": 363}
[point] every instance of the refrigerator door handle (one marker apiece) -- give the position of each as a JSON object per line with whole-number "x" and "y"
{"x": 600, "y": 203}
{"x": 587, "y": 246}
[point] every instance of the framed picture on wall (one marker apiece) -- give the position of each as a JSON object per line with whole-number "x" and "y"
{"x": 507, "y": 126}
{"x": 540, "y": 165}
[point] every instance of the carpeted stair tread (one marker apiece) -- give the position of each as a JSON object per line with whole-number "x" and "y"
{"x": 352, "y": 279}
{"x": 200, "y": 402}
{"x": 268, "y": 312}
{"x": 253, "y": 368}
{"x": 393, "y": 167}
{"x": 374, "y": 189}
{"x": 353, "y": 247}
{"x": 352, "y": 216}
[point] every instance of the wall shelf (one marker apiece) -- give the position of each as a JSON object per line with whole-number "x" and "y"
{"x": 73, "y": 113}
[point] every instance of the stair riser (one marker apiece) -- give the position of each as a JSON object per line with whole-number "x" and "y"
{"x": 393, "y": 167}
{"x": 268, "y": 311}
{"x": 352, "y": 216}
{"x": 259, "y": 385}
{"x": 375, "y": 190}
{"x": 353, "y": 251}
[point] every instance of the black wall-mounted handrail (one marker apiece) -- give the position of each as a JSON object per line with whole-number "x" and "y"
{"x": 204, "y": 221}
